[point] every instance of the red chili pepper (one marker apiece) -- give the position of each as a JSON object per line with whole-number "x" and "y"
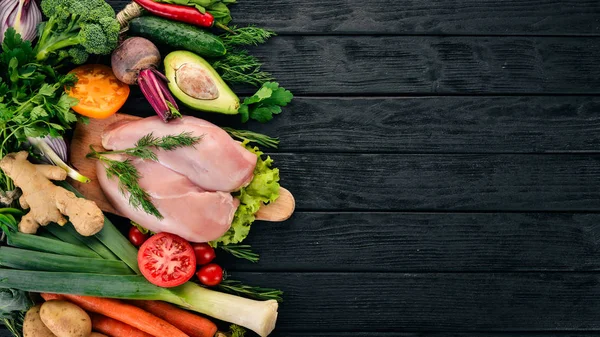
{"x": 185, "y": 14}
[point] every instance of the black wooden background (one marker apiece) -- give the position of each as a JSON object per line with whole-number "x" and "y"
{"x": 444, "y": 156}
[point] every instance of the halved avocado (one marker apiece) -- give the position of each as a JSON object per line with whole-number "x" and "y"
{"x": 196, "y": 84}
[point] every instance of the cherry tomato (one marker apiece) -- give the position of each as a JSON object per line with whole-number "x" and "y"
{"x": 99, "y": 92}
{"x": 136, "y": 237}
{"x": 210, "y": 275}
{"x": 204, "y": 253}
{"x": 167, "y": 260}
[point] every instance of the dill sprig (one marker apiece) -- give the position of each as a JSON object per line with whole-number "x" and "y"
{"x": 257, "y": 293}
{"x": 129, "y": 178}
{"x": 144, "y": 146}
{"x": 127, "y": 173}
{"x": 246, "y": 36}
{"x": 241, "y": 252}
{"x": 254, "y": 137}
{"x": 237, "y": 66}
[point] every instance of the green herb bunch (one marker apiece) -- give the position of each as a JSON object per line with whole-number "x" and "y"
{"x": 238, "y": 66}
{"x": 33, "y": 102}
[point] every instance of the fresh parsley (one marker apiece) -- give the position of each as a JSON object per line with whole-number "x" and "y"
{"x": 33, "y": 102}
{"x": 265, "y": 103}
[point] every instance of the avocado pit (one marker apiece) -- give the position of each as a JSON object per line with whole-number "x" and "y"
{"x": 196, "y": 82}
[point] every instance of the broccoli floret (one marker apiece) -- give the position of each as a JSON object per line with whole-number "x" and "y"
{"x": 81, "y": 27}
{"x": 78, "y": 55}
{"x": 111, "y": 29}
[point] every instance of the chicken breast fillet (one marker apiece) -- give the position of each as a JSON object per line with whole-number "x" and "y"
{"x": 215, "y": 163}
{"x": 188, "y": 211}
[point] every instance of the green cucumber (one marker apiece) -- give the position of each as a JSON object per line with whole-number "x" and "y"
{"x": 177, "y": 35}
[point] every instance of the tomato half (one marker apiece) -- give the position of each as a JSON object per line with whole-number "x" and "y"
{"x": 99, "y": 92}
{"x": 167, "y": 260}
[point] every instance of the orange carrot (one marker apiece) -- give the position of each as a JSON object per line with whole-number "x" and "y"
{"x": 125, "y": 313}
{"x": 114, "y": 328}
{"x": 191, "y": 324}
{"x": 49, "y": 297}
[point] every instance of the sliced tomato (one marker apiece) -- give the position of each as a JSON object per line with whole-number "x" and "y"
{"x": 99, "y": 92}
{"x": 167, "y": 260}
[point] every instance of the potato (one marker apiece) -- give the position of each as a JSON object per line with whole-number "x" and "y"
{"x": 65, "y": 319}
{"x": 33, "y": 325}
{"x": 97, "y": 334}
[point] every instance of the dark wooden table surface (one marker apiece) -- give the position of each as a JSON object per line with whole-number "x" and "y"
{"x": 445, "y": 159}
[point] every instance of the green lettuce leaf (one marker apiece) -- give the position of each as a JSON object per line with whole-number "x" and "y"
{"x": 264, "y": 188}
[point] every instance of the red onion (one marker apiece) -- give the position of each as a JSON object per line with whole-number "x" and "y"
{"x": 53, "y": 151}
{"x": 23, "y": 15}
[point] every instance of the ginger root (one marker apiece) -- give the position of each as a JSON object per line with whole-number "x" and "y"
{"x": 48, "y": 202}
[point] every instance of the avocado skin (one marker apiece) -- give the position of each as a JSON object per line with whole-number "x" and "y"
{"x": 227, "y": 102}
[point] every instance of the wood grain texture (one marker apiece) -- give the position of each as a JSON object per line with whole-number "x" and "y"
{"x": 425, "y": 242}
{"x": 471, "y": 17}
{"x": 433, "y": 334}
{"x": 441, "y": 182}
{"x": 426, "y": 65}
{"x": 434, "y": 302}
{"x": 438, "y": 124}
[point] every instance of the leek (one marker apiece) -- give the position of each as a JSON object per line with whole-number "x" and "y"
{"x": 89, "y": 241}
{"x": 112, "y": 238}
{"x": 259, "y": 316}
{"x": 46, "y": 234}
{"x": 64, "y": 236}
{"x": 32, "y": 260}
{"x": 28, "y": 241}
{"x": 44, "y": 244}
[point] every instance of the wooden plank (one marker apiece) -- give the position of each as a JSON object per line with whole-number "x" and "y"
{"x": 432, "y": 334}
{"x": 434, "y": 302}
{"x": 471, "y": 124}
{"x": 425, "y": 242}
{"x": 6, "y": 333}
{"x": 441, "y": 182}
{"x": 472, "y": 17}
{"x": 438, "y": 124}
{"x": 424, "y": 65}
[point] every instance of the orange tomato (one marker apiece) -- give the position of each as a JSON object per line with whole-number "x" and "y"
{"x": 99, "y": 92}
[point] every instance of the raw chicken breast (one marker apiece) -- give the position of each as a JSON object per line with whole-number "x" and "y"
{"x": 216, "y": 163}
{"x": 189, "y": 211}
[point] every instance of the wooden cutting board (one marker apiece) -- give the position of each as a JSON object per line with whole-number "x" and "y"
{"x": 86, "y": 135}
